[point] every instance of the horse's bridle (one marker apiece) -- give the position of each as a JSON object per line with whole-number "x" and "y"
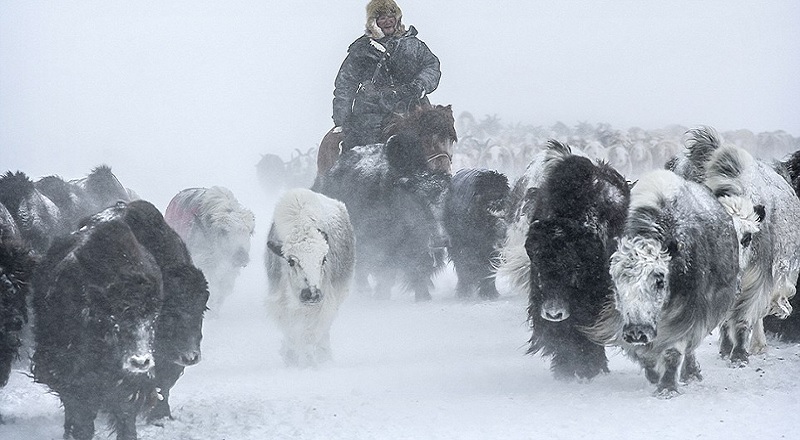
{"x": 433, "y": 157}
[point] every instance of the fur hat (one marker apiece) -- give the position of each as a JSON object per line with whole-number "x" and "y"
{"x": 376, "y": 8}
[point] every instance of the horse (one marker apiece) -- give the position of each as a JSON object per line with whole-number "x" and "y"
{"x": 434, "y": 126}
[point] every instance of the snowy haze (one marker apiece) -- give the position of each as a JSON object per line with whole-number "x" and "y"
{"x": 190, "y": 93}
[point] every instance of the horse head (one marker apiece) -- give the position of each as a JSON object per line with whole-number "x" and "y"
{"x": 434, "y": 126}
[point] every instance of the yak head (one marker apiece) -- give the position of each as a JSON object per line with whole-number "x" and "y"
{"x": 179, "y": 328}
{"x": 568, "y": 270}
{"x": 640, "y": 272}
{"x": 123, "y": 316}
{"x": 305, "y": 254}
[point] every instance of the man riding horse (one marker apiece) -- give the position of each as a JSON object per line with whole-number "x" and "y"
{"x": 387, "y": 71}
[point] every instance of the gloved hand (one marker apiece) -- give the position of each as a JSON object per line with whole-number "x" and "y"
{"x": 412, "y": 90}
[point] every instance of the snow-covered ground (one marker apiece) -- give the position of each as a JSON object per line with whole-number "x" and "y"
{"x": 439, "y": 370}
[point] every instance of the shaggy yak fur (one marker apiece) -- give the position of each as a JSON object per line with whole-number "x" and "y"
{"x": 179, "y": 327}
{"x": 788, "y": 329}
{"x": 475, "y": 210}
{"x": 396, "y": 205}
{"x": 513, "y": 266}
{"x": 675, "y": 275}
{"x": 38, "y": 219}
{"x": 96, "y": 296}
{"x": 16, "y": 269}
{"x": 104, "y": 188}
{"x": 579, "y": 212}
{"x": 309, "y": 260}
{"x": 217, "y": 230}
{"x": 95, "y": 291}
{"x": 772, "y": 259}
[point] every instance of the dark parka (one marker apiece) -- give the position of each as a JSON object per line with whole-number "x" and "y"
{"x": 378, "y": 78}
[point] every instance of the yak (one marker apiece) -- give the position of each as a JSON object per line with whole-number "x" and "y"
{"x": 788, "y": 329}
{"x": 103, "y": 188}
{"x": 16, "y": 269}
{"x": 179, "y": 327}
{"x": 513, "y": 264}
{"x": 217, "y": 230}
{"x": 97, "y": 293}
{"x": 578, "y": 214}
{"x": 770, "y": 272}
{"x": 675, "y": 274}
{"x": 309, "y": 262}
{"x": 396, "y": 205}
{"x": 38, "y": 219}
{"x": 474, "y": 218}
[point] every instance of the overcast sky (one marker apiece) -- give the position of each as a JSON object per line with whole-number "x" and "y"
{"x": 175, "y": 94}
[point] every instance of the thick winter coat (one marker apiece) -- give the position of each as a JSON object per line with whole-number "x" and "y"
{"x": 578, "y": 215}
{"x": 380, "y": 76}
{"x": 675, "y": 275}
{"x": 475, "y": 210}
{"x": 309, "y": 261}
{"x": 217, "y": 230}
{"x": 97, "y": 293}
{"x": 396, "y": 205}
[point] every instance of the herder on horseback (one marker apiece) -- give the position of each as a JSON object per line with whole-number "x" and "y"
{"x": 387, "y": 71}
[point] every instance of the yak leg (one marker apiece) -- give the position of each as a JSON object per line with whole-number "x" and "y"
{"x": 166, "y": 374}
{"x": 78, "y": 419}
{"x": 725, "y": 341}
{"x": 739, "y": 355}
{"x": 758, "y": 342}
{"x": 668, "y": 385}
{"x": 576, "y": 356}
{"x": 123, "y": 419}
{"x": 488, "y": 289}
{"x": 691, "y": 368}
{"x": 384, "y": 283}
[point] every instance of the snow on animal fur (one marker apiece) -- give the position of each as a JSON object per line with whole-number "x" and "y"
{"x": 773, "y": 259}
{"x": 309, "y": 261}
{"x": 217, "y": 230}
{"x": 514, "y": 266}
{"x": 675, "y": 274}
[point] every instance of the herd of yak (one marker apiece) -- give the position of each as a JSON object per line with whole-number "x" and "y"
{"x": 114, "y": 292}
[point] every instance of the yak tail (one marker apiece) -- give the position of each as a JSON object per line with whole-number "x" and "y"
{"x": 724, "y": 170}
{"x": 700, "y": 145}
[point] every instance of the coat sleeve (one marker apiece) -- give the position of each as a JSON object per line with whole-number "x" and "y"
{"x": 429, "y": 73}
{"x": 345, "y": 86}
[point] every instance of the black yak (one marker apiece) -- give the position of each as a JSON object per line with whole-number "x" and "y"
{"x": 675, "y": 275}
{"x": 97, "y": 293}
{"x": 474, "y": 217}
{"x": 578, "y": 214}
{"x": 396, "y": 206}
{"x": 112, "y": 244}
{"x": 178, "y": 330}
{"x": 16, "y": 269}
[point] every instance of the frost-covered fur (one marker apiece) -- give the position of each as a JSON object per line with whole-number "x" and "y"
{"x": 579, "y": 214}
{"x": 217, "y": 230}
{"x": 309, "y": 261}
{"x": 513, "y": 264}
{"x": 773, "y": 258}
{"x": 675, "y": 275}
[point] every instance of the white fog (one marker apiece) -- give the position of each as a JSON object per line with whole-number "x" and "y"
{"x": 191, "y": 93}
